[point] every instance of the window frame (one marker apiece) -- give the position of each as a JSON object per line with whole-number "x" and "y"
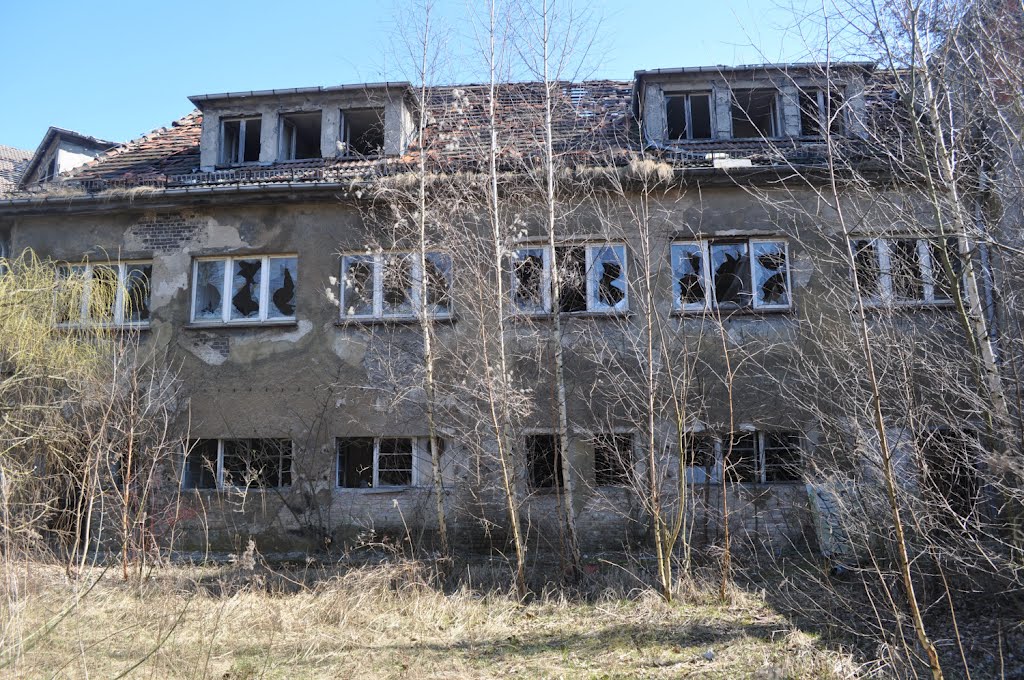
{"x": 688, "y": 115}
{"x": 265, "y": 301}
{"x": 882, "y": 255}
{"x": 777, "y": 114}
{"x": 243, "y": 122}
{"x": 594, "y": 308}
{"x": 419, "y": 456}
{"x": 626, "y": 468}
{"x": 378, "y": 311}
{"x": 286, "y": 149}
{"x": 707, "y": 275}
{"x": 837, "y": 126}
{"x": 119, "y": 296}
{"x": 720, "y": 446}
{"x": 219, "y": 484}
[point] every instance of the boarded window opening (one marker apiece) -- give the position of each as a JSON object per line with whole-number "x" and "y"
{"x": 688, "y": 116}
{"x": 364, "y": 132}
{"x": 613, "y": 459}
{"x": 240, "y": 140}
{"x": 755, "y": 114}
{"x": 544, "y": 459}
{"x": 300, "y": 136}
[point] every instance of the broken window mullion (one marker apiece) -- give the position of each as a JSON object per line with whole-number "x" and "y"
{"x": 225, "y": 298}
{"x": 264, "y": 287}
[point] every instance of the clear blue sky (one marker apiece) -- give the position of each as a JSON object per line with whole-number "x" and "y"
{"x": 116, "y": 69}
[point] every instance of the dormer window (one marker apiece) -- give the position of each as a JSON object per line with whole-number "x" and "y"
{"x": 688, "y": 116}
{"x": 756, "y": 114}
{"x": 821, "y": 110}
{"x": 300, "y": 136}
{"x": 240, "y": 140}
{"x": 363, "y": 132}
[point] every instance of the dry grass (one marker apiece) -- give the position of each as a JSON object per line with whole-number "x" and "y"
{"x": 385, "y": 621}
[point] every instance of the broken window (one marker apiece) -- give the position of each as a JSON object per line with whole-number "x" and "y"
{"x": 748, "y": 457}
{"x": 115, "y": 294}
{"x": 950, "y": 471}
{"x": 238, "y": 463}
{"x": 756, "y": 114}
{"x": 736, "y": 279}
{"x": 259, "y": 289}
{"x": 364, "y": 132}
{"x": 613, "y": 459}
{"x": 821, "y": 110}
{"x": 381, "y": 462}
{"x": 689, "y": 116}
{"x": 592, "y": 279}
{"x": 906, "y": 270}
{"x": 387, "y": 285}
{"x": 544, "y": 461}
{"x": 300, "y": 136}
{"x": 240, "y": 140}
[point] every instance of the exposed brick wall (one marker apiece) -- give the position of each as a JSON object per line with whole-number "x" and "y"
{"x": 166, "y": 232}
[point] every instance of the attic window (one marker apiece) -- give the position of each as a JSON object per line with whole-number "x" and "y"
{"x": 755, "y": 114}
{"x": 821, "y": 110}
{"x": 240, "y": 140}
{"x": 364, "y": 132}
{"x": 300, "y": 136}
{"x": 688, "y": 116}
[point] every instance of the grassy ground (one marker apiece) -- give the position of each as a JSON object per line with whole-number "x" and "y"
{"x": 385, "y": 621}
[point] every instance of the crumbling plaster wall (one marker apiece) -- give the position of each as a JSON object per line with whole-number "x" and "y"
{"x": 315, "y": 380}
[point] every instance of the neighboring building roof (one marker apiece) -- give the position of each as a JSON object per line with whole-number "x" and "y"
{"x": 13, "y": 163}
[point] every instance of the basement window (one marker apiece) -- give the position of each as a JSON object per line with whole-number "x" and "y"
{"x": 613, "y": 459}
{"x": 115, "y": 294}
{"x": 383, "y": 462}
{"x": 593, "y": 279}
{"x": 257, "y": 289}
{"x": 761, "y": 457}
{"x": 822, "y": 110}
{"x": 240, "y": 140}
{"x": 300, "y": 136}
{"x": 752, "y": 273}
{"x": 756, "y": 114}
{"x": 387, "y": 285}
{"x": 688, "y": 116}
{"x": 364, "y": 132}
{"x": 238, "y": 464}
{"x": 906, "y": 270}
{"x": 544, "y": 460}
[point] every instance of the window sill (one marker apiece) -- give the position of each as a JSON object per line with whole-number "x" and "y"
{"x": 547, "y": 316}
{"x": 742, "y": 312}
{"x": 378, "y": 491}
{"x": 194, "y": 326}
{"x": 392, "y": 321}
{"x": 915, "y": 305}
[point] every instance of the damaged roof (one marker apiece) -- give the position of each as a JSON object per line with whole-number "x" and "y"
{"x": 593, "y": 125}
{"x": 13, "y": 163}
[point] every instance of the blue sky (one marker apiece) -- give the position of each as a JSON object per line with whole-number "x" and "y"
{"x": 116, "y": 69}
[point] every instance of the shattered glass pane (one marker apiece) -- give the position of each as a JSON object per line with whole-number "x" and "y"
{"x": 439, "y": 283}
{"x": 357, "y": 285}
{"x": 688, "y": 275}
{"x": 136, "y": 293}
{"x": 397, "y": 286}
{"x": 608, "y": 277}
{"x": 739, "y": 453}
{"x": 283, "y": 279}
{"x": 866, "y": 269}
{"x": 102, "y": 293}
{"x": 905, "y": 269}
{"x": 943, "y": 290}
{"x": 730, "y": 267}
{"x": 394, "y": 462}
{"x": 209, "y": 292}
{"x": 355, "y": 462}
{"x": 771, "y": 284}
{"x": 245, "y": 289}
{"x": 201, "y": 464}
{"x": 572, "y": 270}
{"x": 528, "y": 279}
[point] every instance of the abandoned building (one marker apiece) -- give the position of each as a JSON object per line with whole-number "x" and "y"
{"x": 253, "y": 245}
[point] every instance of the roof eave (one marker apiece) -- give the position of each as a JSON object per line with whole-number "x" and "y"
{"x": 198, "y": 99}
